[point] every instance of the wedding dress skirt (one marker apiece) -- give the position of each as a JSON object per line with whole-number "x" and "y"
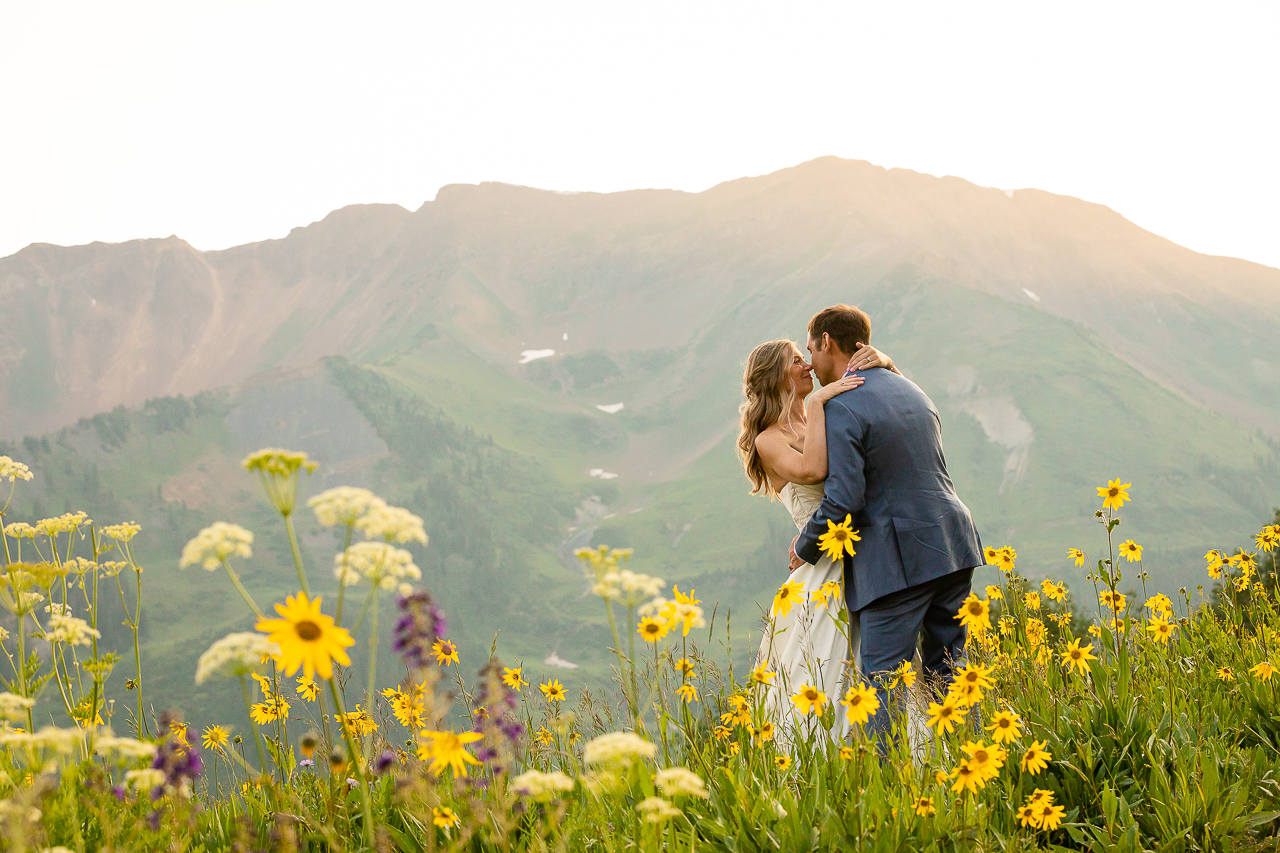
{"x": 818, "y": 644}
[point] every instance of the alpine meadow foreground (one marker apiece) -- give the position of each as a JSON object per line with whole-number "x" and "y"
{"x": 1103, "y": 719}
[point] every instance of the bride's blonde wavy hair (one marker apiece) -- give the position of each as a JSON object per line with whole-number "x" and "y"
{"x": 767, "y": 397}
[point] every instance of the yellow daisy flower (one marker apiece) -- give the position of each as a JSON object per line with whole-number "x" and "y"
{"x": 651, "y": 630}
{"x": 1131, "y": 550}
{"x": 839, "y": 538}
{"x": 1005, "y": 726}
{"x": 788, "y": 595}
{"x": 1077, "y": 657}
{"x": 306, "y": 637}
{"x": 1077, "y": 555}
{"x": 513, "y": 677}
{"x": 861, "y": 704}
{"x": 1036, "y": 758}
{"x": 445, "y": 651}
{"x": 1113, "y": 494}
{"x": 448, "y": 749}
{"x": 975, "y": 613}
{"x": 215, "y": 737}
{"x": 553, "y": 690}
{"x": 809, "y": 698}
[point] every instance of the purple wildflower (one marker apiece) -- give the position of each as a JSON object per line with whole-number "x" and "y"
{"x": 420, "y": 624}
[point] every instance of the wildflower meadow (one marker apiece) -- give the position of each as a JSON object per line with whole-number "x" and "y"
{"x": 1100, "y": 718}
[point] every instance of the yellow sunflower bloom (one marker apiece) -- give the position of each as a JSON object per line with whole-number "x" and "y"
{"x": 1077, "y": 555}
{"x": 306, "y": 637}
{"x": 762, "y": 675}
{"x": 1160, "y": 630}
{"x": 809, "y": 699}
{"x": 553, "y": 690}
{"x": 651, "y": 630}
{"x": 783, "y": 762}
{"x": 1113, "y": 494}
{"x": 513, "y": 677}
{"x": 924, "y": 807}
{"x": 1262, "y": 670}
{"x": 448, "y": 749}
{"x": 1114, "y": 600}
{"x": 687, "y": 693}
{"x": 861, "y": 704}
{"x": 846, "y": 753}
{"x": 1077, "y": 657}
{"x": 787, "y": 596}
{"x": 1053, "y": 590}
{"x": 967, "y": 778}
{"x": 1131, "y": 550}
{"x": 1225, "y": 674}
{"x": 445, "y": 817}
{"x": 943, "y": 717}
{"x": 903, "y": 676}
{"x": 1050, "y": 816}
{"x": 215, "y": 737}
{"x": 839, "y": 538}
{"x": 994, "y": 593}
{"x": 1005, "y": 727}
{"x": 1036, "y": 758}
{"x": 445, "y": 651}
{"x": 975, "y": 613}
{"x": 1032, "y": 600}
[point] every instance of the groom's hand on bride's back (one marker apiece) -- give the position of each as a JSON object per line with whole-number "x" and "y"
{"x": 795, "y": 561}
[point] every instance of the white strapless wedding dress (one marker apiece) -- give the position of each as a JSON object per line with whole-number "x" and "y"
{"x": 818, "y": 642}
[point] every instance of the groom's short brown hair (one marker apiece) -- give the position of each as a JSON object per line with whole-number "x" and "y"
{"x": 847, "y": 325}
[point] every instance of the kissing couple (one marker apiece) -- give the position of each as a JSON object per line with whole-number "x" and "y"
{"x": 884, "y": 539}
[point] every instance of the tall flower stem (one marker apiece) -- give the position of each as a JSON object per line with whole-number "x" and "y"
{"x": 358, "y": 763}
{"x": 244, "y": 593}
{"x": 622, "y": 673}
{"x": 257, "y": 736}
{"x": 22, "y": 662}
{"x": 373, "y": 651}
{"x": 297, "y": 554}
{"x": 342, "y": 579}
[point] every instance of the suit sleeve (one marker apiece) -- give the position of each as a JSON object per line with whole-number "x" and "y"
{"x": 846, "y": 485}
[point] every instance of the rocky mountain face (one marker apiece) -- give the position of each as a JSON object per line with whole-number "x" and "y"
{"x": 87, "y": 328}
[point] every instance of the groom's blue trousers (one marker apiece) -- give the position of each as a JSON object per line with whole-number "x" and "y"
{"x": 890, "y": 626}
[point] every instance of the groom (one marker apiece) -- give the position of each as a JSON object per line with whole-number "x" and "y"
{"x": 915, "y": 561}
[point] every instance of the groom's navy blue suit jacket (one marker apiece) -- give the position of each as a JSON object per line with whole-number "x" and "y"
{"x": 885, "y": 468}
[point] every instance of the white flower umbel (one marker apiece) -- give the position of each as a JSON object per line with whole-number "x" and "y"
{"x": 657, "y": 810}
{"x": 14, "y": 707}
{"x": 392, "y": 524}
{"x": 11, "y": 471}
{"x": 384, "y": 565}
{"x": 679, "y": 781}
{"x": 236, "y": 655}
{"x": 618, "y": 747}
{"x": 541, "y": 786}
{"x": 124, "y": 748}
{"x": 216, "y": 543}
{"x": 344, "y": 506}
{"x": 72, "y": 630}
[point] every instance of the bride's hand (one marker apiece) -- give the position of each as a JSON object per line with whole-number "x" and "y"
{"x": 826, "y": 392}
{"x": 868, "y": 356}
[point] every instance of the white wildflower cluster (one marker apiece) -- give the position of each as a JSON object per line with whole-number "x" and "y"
{"x": 680, "y": 781}
{"x": 618, "y": 748}
{"x": 79, "y": 565}
{"x": 14, "y": 707}
{"x": 51, "y": 738}
{"x": 613, "y": 583}
{"x": 55, "y": 608}
{"x": 111, "y": 568}
{"x": 124, "y": 748}
{"x": 122, "y": 532}
{"x": 68, "y": 522}
{"x": 20, "y": 530}
{"x": 343, "y": 505}
{"x": 11, "y": 471}
{"x": 541, "y": 786}
{"x": 657, "y": 810}
{"x": 216, "y": 543}
{"x": 72, "y": 630}
{"x": 348, "y": 506}
{"x": 236, "y": 655}
{"x": 144, "y": 780}
{"x": 383, "y": 564}
{"x": 392, "y": 524}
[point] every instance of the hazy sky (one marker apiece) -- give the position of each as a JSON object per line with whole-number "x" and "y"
{"x": 229, "y": 122}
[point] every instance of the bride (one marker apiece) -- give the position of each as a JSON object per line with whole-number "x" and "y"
{"x": 809, "y": 645}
